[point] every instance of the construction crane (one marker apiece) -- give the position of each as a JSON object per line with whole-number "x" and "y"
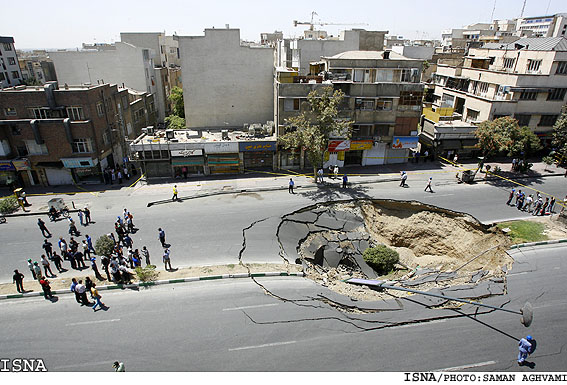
{"x": 313, "y": 23}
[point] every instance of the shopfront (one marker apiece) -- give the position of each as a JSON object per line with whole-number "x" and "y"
{"x": 222, "y": 157}
{"x": 25, "y": 172}
{"x": 258, "y": 155}
{"x": 83, "y": 170}
{"x": 187, "y": 162}
{"x": 355, "y": 154}
{"x": 8, "y": 174}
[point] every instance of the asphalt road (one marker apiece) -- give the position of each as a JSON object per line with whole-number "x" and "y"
{"x": 207, "y": 231}
{"x": 232, "y": 325}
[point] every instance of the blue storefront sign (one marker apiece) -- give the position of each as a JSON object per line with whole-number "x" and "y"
{"x": 400, "y": 142}
{"x": 256, "y": 146}
{"x": 6, "y": 165}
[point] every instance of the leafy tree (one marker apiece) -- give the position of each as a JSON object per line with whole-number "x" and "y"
{"x": 381, "y": 258}
{"x": 104, "y": 245}
{"x": 8, "y": 205}
{"x": 315, "y": 126}
{"x": 176, "y": 97}
{"x": 31, "y": 82}
{"x": 560, "y": 136}
{"x": 175, "y": 122}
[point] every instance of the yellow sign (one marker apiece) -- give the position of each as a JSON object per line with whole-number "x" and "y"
{"x": 360, "y": 145}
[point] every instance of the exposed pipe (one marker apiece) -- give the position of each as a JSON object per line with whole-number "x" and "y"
{"x": 36, "y": 134}
{"x": 68, "y": 133}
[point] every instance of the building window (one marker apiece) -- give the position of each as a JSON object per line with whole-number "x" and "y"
{"x": 35, "y": 149}
{"x": 364, "y": 104}
{"x": 384, "y": 75}
{"x": 561, "y": 68}
{"x": 10, "y": 111}
{"x": 151, "y": 107}
{"x": 509, "y": 62}
{"x": 100, "y": 109}
{"x": 146, "y": 54}
{"x": 7, "y": 46}
{"x": 533, "y": 65}
{"x": 548, "y": 120}
{"x": 472, "y": 115}
{"x": 138, "y": 114}
{"x": 363, "y": 130}
{"x": 15, "y": 75}
{"x": 15, "y": 130}
{"x": 528, "y": 95}
{"x": 2, "y": 77}
{"x": 82, "y": 145}
{"x": 40, "y": 113}
{"x": 523, "y": 119}
{"x": 408, "y": 98}
{"x": 12, "y": 61}
{"x": 291, "y": 104}
{"x": 556, "y": 94}
{"x": 384, "y": 104}
{"x": 75, "y": 113}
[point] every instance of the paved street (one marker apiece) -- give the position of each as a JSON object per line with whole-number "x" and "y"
{"x": 232, "y": 325}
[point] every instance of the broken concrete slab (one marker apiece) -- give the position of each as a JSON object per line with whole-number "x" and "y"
{"x": 328, "y": 221}
{"x": 478, "y": 275}
{"x": 331, "y": 257}
{"x": 364, "y": 268}
{"x": 439, "y": 277}
{"x": 305, "y": 217}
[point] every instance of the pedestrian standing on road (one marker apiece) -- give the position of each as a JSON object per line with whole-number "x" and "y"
{"x": 82, "y": 291}
{"x": 336, "y": 171}
{"x": 551, "y": 205}
{"x": 105, "y": 261}
{"x": 174, "y": 197}
{"x": 429, "y": 185}
{"x": 37, "y": 270}
{"x": 48, "y": 247}
{"x": 90, "y": 243}
{"x": 403, "y": 177}
{"x": 73, "y": 286}
{"x": 537, "y": 206}
{"x": 345, "y": 180}
{"x": 331, "y": 171}
{"x": 95, "y": 269}
{"x": 97, "y": 297}
{"x": 161, "y": 234}
{"x": 425, "y": 155}
{"x": 130, "y": 223}
{"x": 57, "y": 262}
{"x": 72, "y": 228}
{"x": 528, "y": 205}
{"x": 87, "y": 213}
{"x": 46, "y": 266}
{"x": 62, "y": 246}
{"x": 46, "y": 287}
{"x": 80, "y": 214}
{"x": 525, "y": 347}
{"x": 518, "y": 195}
{"x": 544, "y": 207}
{"x": 146, "y": 255}
{"x": 86, "y": 251}
{"x": 136, "y": 259}
{"x": 119, "y": 177}
{"x": 32, "y": 270}
{"x": 511, "y": 196}
{"x": 290, "y": 188}
{"x": 112, "y": 176}
{"x": 126, "y": 173}
{"x": 456, "y": 159}
{"x": 18, "y": 279}
{"x": 320, "y": 175}
{"x": 167, "y": 259}
{"x": 88, "y": 284}
{"x": 128, "y": 241}
{"x": 43, "y": 228}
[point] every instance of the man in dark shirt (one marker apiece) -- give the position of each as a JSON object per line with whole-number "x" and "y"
{"x": 48, "y": 247}
{"x": 18, "y": 279}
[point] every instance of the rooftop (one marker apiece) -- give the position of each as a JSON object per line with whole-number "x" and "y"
{"x": 22, "y": 88}
{"x": 369, "y": 55}
{"x": 204, "y": 136}
{"x": 532, "y": 44}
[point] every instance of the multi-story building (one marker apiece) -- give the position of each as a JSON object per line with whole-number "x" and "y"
{"x": 53, "y": 135}
{"x": 297, "y": 53}
{"x": 141, "y": 61}
{"x": 383, "y": 97}
{"x": 526, "y": 79}
{"x": 228, "y": 84}
{"x": 36, "y": 67}
{"x": 10, "y": 72}
{"x": 544, "y": 26}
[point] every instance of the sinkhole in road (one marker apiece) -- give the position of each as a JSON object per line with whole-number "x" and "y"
{"x": 438, "y": 248}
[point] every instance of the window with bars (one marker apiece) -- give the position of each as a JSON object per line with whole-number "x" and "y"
{"x": 528, "y": 95}
{"x": 138, "y": 114}
{"x": 408, "y": 98}
{"x": 561, "y": 68}
{"x": 82, "y": 145}
{"x": 384, "y": 104}
{"x": 523, "y": 119}
{"x": 7, "y": 46}
{"x": 509, "y": 62}
{"x": 364, "y": 104}
{"x": 39, "y": 113}
{"x": 15, "y": 75}
{"x": 556, "y": 93}
{"x": 11, "y": 61}
{"x": 548, "y": 120}
{"x": 100, "y": 109}
{"x": 472, "y": 115}
{"x": 533, "y": 65}
{"x": 75, "y": 113}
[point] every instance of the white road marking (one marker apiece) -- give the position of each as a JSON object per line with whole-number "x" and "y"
{"x": 486, "y": 363}
{"x": 419, "y": 324}
{"x": 250, "y": 307}
{"x": 93, "y": 322}
{"x": 523, "y": 272}
{"x": 262, "y": 346}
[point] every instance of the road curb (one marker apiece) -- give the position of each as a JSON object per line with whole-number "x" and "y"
{"x": 530, "y": 244}
{"x": 164, "y": 282}
{"x": 37, "y": 213}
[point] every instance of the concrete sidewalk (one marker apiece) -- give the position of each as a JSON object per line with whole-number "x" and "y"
{"x": 440, "y": 170}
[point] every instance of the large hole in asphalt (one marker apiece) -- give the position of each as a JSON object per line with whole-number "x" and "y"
{"x": 438, "y": 248}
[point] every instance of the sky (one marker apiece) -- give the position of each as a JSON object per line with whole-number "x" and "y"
{"x": 69, "y": 23}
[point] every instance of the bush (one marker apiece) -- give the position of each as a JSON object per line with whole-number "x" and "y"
{"x": 8, "y": 205}
{"x": 146, "y": 274}
{"x": 381, "y": 258}
{"x": 104, "y": 245}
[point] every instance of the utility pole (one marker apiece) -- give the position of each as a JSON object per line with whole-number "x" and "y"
{"x": 523, "y": 7}
{"x": 493, "y": 8}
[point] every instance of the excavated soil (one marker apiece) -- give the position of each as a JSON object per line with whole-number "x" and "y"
{"x": 426, "y": 238}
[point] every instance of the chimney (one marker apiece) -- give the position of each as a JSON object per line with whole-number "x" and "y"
{"x": 386, "y": 54}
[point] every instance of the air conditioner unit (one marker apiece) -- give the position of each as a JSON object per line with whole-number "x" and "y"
{"x": 170, "y": 134}
{"x": 224, "y": 134}
{"x": 148, "y": 130}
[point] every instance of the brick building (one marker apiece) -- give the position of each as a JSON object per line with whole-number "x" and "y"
{"x": 52, "y": 135}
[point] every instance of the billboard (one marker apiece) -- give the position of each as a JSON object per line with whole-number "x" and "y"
{"x": 361, "y": 145}
{"x": 257, "y": 146}
{"x": 400, "y": 142}
{"x": 339, "y": 145}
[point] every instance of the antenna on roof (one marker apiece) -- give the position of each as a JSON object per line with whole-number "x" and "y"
{"x": 523, "y": 7}
{"x": 493, "y": 8}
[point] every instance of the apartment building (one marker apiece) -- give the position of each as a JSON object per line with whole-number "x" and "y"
{"x": 51, "y": 135}
{"x": 10, "y": 72}
{"x": 526, "y": 79}
{"x": 140, "y": 61}
{"x": 227, "y": 83}
{"x": 544, "y": 26}
{"x": 297, "y": 53}
{"x": 36, "y": 67}
{"x": 383, "y": 97}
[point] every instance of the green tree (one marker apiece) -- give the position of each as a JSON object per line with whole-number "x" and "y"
{"x": 176, "y": 97}
{"x": 381, "y": 258}
{"x": 104, "y": 245}
{"x": 175, "y": 122}
{"x": 314, "y": 126}
{"x": 560, "y": 137}
{"x": 31, "y": 82}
